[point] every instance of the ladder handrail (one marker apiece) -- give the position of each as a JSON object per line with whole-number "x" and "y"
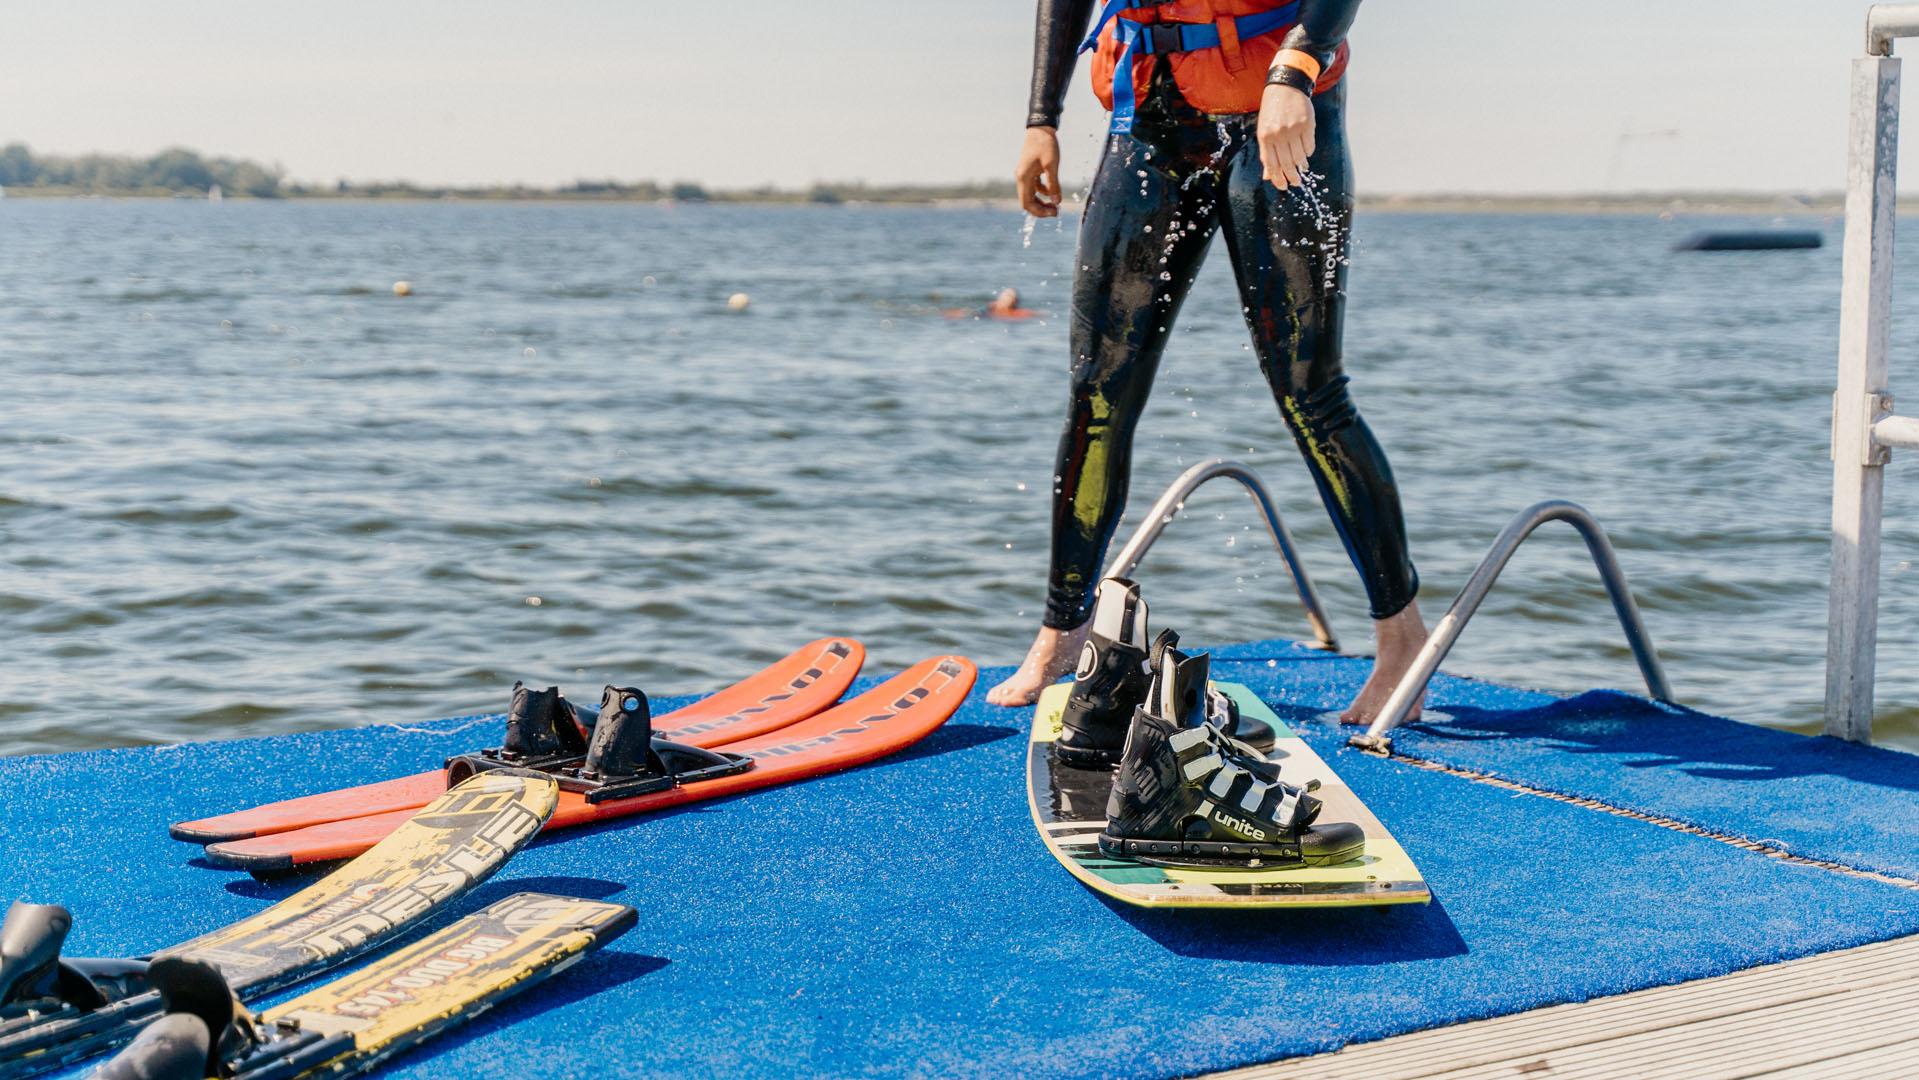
{"x": 1884, "y": 22}
{"x": 1864, "y": 428}
{"x": 1161, "y": 515}
{"x": 1448, "y": 629}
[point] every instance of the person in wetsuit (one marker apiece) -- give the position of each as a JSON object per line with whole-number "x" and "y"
{"x": 1229, "y": 115}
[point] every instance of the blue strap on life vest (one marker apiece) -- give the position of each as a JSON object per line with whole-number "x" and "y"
{"x": 1148, "y": 39}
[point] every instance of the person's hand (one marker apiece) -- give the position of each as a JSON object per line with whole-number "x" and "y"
{"x": 1285, "y": 134}
{"x": 1038, "y": 172}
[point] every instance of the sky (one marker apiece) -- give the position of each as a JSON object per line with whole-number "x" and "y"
{"x": 1496, "y": 96}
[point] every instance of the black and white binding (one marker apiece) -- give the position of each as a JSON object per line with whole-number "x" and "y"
{"x": 1188, "y": 793}
{"x": 1111, "y": 679}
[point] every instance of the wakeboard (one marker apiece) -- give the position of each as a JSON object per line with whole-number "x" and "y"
{"x": 1069, "y": 808}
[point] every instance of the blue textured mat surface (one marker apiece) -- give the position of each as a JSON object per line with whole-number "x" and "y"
{"x": 903, "y": 919}
{"x": 1813, "y": 796}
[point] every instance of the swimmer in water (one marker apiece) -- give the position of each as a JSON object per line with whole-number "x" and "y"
{"x": 1004, "y": 306}
{"x": 1228, "y": 116}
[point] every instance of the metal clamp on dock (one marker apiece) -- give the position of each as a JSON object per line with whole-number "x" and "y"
{"x": 1170, "y": 503}
{"x": 1378, "y": 738}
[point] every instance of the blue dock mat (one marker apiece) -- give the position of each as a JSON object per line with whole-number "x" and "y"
{"x": 1816, "y": 797}
{"x": 904, "y": 920}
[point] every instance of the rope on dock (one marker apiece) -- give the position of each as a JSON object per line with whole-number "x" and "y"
{"x": 1759, "y": 847}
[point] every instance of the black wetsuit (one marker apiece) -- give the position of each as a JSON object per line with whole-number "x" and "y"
{"x": 1159, "y": 196}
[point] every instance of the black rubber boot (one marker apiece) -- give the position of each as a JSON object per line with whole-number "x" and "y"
{"x": 541, "y": 724}
{"x": 624, "y": 760}
{"x": 35, "y": 977}
{"x": 1111, "y": 680}
{"x": 623, "y": 738}
{"x": 203, "y": 1032}
{"x": 1188, "y": 794}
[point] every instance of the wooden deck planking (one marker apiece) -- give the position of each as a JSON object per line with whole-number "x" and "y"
{"x": 1839, "y": 1014}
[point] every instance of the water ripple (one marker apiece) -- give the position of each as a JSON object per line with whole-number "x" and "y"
{"x": 251, "y": 491}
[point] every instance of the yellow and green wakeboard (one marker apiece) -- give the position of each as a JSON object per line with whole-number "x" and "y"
{"x": 1069, "y": 808}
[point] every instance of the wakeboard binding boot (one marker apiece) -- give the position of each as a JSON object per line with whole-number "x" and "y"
{"x": 1189, "y": 794}
{"x": 36, "y": 980}
{"x": 1110, "y": 682}
{"x": 624, "y": 758}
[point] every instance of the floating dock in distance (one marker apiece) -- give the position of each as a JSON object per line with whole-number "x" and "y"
{"x": 1752, "y": 240}
{"x": 905, "y": 919}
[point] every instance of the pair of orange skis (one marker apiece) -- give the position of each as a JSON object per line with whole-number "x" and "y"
{"x": 784, "y": 718}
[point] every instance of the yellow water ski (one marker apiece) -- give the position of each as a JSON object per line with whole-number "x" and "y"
{"x": 449, "y": 846}
{"x": 354, "y": 1023}
{"x": 1069, "y": 808}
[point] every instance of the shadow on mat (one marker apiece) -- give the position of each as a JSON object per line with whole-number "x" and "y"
{"x": 950, "y": 738}
{"x": 583, "y": 888}
{"x": 1337, "y": 937}
{"x": 599, "y": 973}
{"x": 1607, "y": 722}
{"x": 280, "y": 886}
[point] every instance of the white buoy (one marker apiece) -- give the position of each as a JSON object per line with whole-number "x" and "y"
{"x": 403, "y": 288}
{"x": 737, "y": 302}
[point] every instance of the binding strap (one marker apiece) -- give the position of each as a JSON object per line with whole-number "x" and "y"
{"x": 1161, "y": 38}
{"x": 1206, "y": 762}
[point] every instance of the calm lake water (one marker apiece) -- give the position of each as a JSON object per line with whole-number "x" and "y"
{"x": 244, "y": 489}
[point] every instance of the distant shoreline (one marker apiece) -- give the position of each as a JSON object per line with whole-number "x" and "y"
{"x": 180, "y": 173}
{"x": 1702, "y": 203}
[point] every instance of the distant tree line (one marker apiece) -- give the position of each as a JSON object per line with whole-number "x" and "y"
{"x": 185, "y": 172}
{"x": 173, "y": 171}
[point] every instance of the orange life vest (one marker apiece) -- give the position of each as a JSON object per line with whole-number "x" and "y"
{"x": 1227, "y": 78}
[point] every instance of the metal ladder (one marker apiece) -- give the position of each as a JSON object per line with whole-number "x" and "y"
{"x": 1864, "y": 428}
{"x": 1446, "y": 632}
{"x": 1378, "y": 737}
{"x": 1169, "y": 504}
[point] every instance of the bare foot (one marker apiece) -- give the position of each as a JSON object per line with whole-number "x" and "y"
{"x": 1054, "y": 653}
{"x": 1398, "y": 639}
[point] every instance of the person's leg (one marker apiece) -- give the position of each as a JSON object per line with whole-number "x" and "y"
{"x": 1148, "y": 220}
{"x": 1289, "y": 251}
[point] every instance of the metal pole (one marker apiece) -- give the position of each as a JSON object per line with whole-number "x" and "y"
{"x": 1161, "y": 515}
{"x": 1447, "y": 630}
{"x": 1861, "y": 400}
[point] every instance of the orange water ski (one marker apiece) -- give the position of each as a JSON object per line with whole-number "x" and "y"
{"x": 884, "y": 720}
{"x": 809, "y": 680}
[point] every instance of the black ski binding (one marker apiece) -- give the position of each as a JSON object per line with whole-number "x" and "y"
{"x": 1189, "y": 794}
{"x": 604, "y": 753}
{"x": 207, "y": 1032}
{"x": 35, "y": 979}
{"x": 544, "y": 732}
{"x": 624, "y": 759}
